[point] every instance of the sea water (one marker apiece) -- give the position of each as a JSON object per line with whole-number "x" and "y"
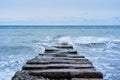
{"x": 100, "y": 44}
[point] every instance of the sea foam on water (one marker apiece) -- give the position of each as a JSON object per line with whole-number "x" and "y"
{"x": 101, "y": 47}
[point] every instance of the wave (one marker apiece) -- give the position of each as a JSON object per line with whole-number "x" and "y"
{"x": 101, "y": 51}
{"x": 91, "y": 42}
{"x": 12, "y": 58}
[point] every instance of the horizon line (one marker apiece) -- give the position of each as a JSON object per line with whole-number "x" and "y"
{"x": 59, "y": 25}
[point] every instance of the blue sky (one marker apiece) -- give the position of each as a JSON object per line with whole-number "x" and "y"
{"x": 53, "y": 12}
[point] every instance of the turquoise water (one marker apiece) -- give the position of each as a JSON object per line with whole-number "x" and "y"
{"x": 100, "y": 44}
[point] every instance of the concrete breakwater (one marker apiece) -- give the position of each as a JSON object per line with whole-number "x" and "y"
{"x": 59, "y": 62}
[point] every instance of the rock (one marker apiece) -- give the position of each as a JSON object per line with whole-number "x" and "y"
{"x": 68, "y": 52}
{"x": 56, "y": 66}
{"x": 21, "y": 75}
{"x": 51, "y": 50}
{"x": 60, "y": 62}
{"x": 85, "y": 79}
{"x": 66, "y": 73}
{"x": 64, "y": 46}
{"x": 64, "y": 43}
{"x": 32, "y": 61}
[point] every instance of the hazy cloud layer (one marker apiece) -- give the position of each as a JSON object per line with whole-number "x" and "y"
{"x": 60, "y": 12}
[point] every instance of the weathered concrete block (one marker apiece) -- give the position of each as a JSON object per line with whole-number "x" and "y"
{"x": 61, "y": 63}
{"x": 66, "y": 73}
{"x": 57, "y": 62}
{"x": 56, "y": 66}
{"x": 64, "y": 43}
{"x": 85, "y": 79}
{"x": 67, "y": 52}
{"x": 51, "y": 50}
{"x": 64, "y": 46}
{"x": 66, "y": 58}
{"x": 86, "y": 74}
{"x": 76, "y": 56}
{"x": 58, "y": 54}
{"x": 21, "y": 75}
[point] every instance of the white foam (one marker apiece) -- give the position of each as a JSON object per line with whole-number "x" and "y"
{"x": 88, "y": 39}
{"x": 82, "y": 40}
{"x": 65, "y": 39}
{"x": 38, "y": 47}
{"x": 98, "y": 55}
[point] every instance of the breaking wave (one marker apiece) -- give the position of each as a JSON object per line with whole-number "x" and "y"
{"x": 103, "y": 52}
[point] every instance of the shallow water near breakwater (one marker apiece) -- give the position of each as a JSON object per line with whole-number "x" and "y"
{"x": 100, "y": 44}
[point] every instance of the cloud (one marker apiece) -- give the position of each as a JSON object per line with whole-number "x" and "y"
{"x": 59, "y": 11}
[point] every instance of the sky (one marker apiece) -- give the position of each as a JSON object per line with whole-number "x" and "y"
{"x": 59, "y": 12}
